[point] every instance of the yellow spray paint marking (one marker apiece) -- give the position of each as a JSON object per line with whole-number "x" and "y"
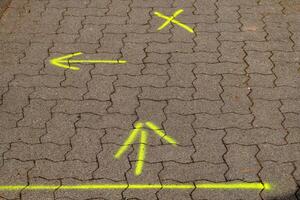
{"x": 173, "y": 20}
{"x": 221, "y": 186}
{"x": 60, "y": 61}
{"x": 143, "y": 143}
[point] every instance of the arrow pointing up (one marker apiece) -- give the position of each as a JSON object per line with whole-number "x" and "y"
{"x": 61, "y": 61}
{"x": 143, "y": 143}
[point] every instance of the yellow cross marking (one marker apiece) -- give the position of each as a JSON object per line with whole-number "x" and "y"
{"x": 173, "y": 20}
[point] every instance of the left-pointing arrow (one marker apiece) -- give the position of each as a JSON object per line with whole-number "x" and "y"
{"x": 64, "y": 61}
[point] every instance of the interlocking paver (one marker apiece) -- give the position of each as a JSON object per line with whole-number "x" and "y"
{"x": 26, "y": 152}
{"x": 228, "y": 94}
{"x": 242, "y": 162}
{"x": 193, "y": 171}
{"x": 255, "y": 136}
{"x": 209, "y": 145}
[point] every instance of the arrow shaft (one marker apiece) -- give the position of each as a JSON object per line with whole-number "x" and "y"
{"x": 142, "y": 153}
{"x": 93, "y": 61}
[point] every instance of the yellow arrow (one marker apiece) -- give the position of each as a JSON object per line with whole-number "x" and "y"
{"x": 143, "y": 143}
{"x": 60, "y": 61}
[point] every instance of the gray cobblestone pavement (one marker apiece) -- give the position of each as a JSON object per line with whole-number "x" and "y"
{"x": 229, "y": 93}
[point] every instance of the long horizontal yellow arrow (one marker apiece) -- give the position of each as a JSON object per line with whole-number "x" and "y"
{"x": 224, "y": 186}
{"x": 60, "y": 61}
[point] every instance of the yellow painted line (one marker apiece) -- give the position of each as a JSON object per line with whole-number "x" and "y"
{"x": 60, "y": 61}
{"x": 169, "y": 19}
{"x": 162, "y": 134}
{"x": 141, "y": 154}
{"x": 129, "y": 140}
{"x": 221, "y": 186}
{"x": 173, "y": 20}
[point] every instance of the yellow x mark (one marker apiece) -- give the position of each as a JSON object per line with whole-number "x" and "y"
{"x": 172, "y": 19}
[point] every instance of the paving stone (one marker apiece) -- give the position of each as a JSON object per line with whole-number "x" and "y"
{"x": 87, "y": 194}
{"x": 149, "y": 176}
{"x": 261, "y": 80}
{"x": 236, "y": 100}
{"x": 181, "y": 75}
{"x": 77, "y": 107}
{"x": 166, "y": 93}
{"x": 293, "y": 136}
{"x": 85, "y": 12}
{"x": 194, "y": 106}
{"x": 111, "y": 42}
{"x": 193, "y": 171}
{"x": 255, "y": 136}
{"x": 90, "y": 34}
{"x": 114, "y": 120}
{"x": 85, "y": 145}
{"x": 234, "y": 80}
{"x": 208, "y": 87}
{"x": 37, "y": 113}
{"x": 281, "y": 172}
{"x": 68, "y": 93}
{"x": 165, "y": 153}
{"x": 21, "y": 134}
{"x": 242, "y": 162}
{"x": 122, "y": 96}
{"x": 290, "y": 105}
{"x": 128, "y": 28}
{"x": 286, "y": 56}
{"x": 179, "y": 127}
{"x": 267, "y": 114}
{"x": 47, "y": 195}
{"x": 60, "y": 123}
{"x": 243, "y": 36}
{"x": 275, "y": 93}
{"x": 68, "y": 4}
{"x": 112, "y": 168}
{"x": 63, "y": 169}
{"x": 268, "y": 46}
{"x": 217, "y": 27}
{"x": 207, "y": 42}
{"x": 68, "y": 48}
{"x": 193, "y": 57}
{"x": 228, "y": 14}
{"x": 14, "y": 172}
{"x": 155, "y": 69}
{"x": 139, "y": 16}
{"x": 157, "y": 58}
{"x": 283, "y": 153}
{"x": 225, "y": 68}
{"x": 147, "y": 37}
{"x": 141, "y": 81}
{"x": 170, "y": 47}
{"x": 287, "y": 74}
{"x": 36, "y": 81}
{"x": 100, "y": 87}
{"x": 291, "y": 120}
{"x": 9, "y": 120}
{"x": 231, "y": 52}
{"x": 15, "y": 99}
{"x": 209, "y": 146}
{"x": 221, "y": 121}
{"x": 27, "y": 152}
